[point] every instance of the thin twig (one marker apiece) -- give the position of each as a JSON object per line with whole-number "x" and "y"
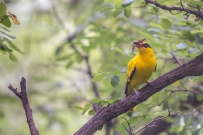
{"x": 189, "y": 4}
{"x": 23, "y": 96}
{"x": 165, "y": 98}
{"x": 175, "y": 58}
{"x": 129, "y": 126}
{"x": 14, "y": 91}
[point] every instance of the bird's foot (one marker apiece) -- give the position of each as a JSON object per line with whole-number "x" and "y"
{"x": 150, "y": 84}
{"x": 137, "y": 93}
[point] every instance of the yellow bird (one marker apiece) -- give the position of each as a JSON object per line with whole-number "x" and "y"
{"x": 140, "y": 68}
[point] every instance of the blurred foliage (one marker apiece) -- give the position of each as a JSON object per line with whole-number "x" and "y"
{"x": 56, "y": 37}
{"x": 5, "y": 38}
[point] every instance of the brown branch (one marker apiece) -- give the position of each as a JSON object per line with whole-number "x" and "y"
{"x": 15, "y": 91}
{"x": 23, "y": 96}
{"x": 181, "y": 9}
{"x": 96, "y": 107}
{"x": 191, "y": 68}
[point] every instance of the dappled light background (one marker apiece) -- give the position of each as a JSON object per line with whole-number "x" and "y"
{"x": 75, "y": 52}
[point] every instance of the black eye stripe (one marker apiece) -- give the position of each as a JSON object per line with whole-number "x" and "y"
{"x": 146, "y": 45}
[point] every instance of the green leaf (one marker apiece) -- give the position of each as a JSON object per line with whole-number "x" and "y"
{"x": 127, "y": 12}
{"x": 91, "y": 112}
{"x": 155, "y": 10}
{"x": 181, "y": 46}
{"x": 127, "y": 3}
{"x": 117, "y": 3}
{"x": 199, "y": 97}
{"x": 69, "y": 64}
{"x": 165, "y": 23}
{"x": 196, "y": 31}
{"x": 4, "y": 48}
{"x": 65, "y": 57}
{"x": 154, "y": 25}
{"x": 79, "y": 58}
{"x": 13, "y": 46}
{"x": 78, "y": 107}
{"x": 6, "y": 22}
{"x": 114, "y": 80}
{"x": 98, "y": 77}
{"x": 2, "y": 10}
{"x": 95, "y": 100}
{"x": 10, "y": 36}
{"x": 117, "y": 12}
{"x": 58, "y": 50}
{"x": 12, "y": 57}
{"x": 84, "y": 111}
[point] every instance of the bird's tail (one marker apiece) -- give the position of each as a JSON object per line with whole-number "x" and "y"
{"x": 130, "y": 92}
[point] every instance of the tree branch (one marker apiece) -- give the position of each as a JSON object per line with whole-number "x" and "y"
{"x": 23, "y": 96}
{"x": 181, "y": 9}
{"x": 191, "y": 68}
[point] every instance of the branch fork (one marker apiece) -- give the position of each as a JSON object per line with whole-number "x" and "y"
{"x": 28, "y": 111}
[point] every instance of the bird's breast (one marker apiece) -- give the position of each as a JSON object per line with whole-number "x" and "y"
{"x": 144, "y": 70}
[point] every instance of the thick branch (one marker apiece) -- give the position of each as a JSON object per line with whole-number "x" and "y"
{"x": 23, "y": 96}
{"x": 197, "y": 13}
{"x": 192, "y": 68}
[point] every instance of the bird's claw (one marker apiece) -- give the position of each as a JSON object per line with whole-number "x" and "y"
{"x": 137, "y": 93}
{"x": 150, "y": 84}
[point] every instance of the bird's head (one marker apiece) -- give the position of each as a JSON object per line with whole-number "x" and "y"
{"x": 140, "y": 44}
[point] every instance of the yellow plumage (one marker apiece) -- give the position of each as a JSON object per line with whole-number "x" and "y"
{"x": 140, "y": 68}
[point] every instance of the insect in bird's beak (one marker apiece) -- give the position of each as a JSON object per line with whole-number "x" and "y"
{"x": 135, "y": 44}
{"x": 138, "y": 44}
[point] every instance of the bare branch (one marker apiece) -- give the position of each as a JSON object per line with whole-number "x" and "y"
{"x": 14, "y": 91}
{"x": 96, "y": 107}
{"x": 23, "y": 96}
{"x": 174, "y": 8}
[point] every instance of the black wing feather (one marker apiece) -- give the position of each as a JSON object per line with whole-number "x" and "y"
{"x": 129, "y": 79}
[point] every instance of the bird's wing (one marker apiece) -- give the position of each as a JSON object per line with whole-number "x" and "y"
{"x": 129, "y": 76}
{"x": 155, "y": 67}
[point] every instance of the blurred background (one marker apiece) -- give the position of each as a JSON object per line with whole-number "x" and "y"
{"x": 75, "y": 52}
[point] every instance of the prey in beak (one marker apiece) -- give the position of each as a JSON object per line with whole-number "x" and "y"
{"x": 138, "y": 44}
